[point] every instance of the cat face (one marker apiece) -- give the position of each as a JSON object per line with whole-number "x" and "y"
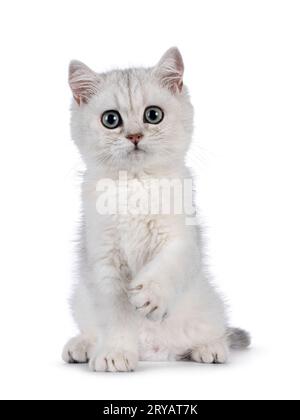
{"x": 135, "y": 119}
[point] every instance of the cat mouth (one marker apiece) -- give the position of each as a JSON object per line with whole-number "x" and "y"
{"x": 137, "y": 150}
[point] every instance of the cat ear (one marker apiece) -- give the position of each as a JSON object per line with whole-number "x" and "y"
{"x": 170, "y": 70}
{"x": 83, "y": 81}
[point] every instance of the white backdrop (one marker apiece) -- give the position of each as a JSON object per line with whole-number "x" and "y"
{"x": 243, "y": 69}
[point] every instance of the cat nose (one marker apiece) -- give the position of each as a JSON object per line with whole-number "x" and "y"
{"x": 135, "y": 138}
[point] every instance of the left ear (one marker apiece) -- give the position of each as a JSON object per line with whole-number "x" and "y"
{"x": 83, "y": 81}
{"x": 170, "y": 70}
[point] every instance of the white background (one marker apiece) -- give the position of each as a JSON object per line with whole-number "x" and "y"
{"x": 243, "y": 69}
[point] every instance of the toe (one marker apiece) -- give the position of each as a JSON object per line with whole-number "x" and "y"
{"x": 114, "y": 362}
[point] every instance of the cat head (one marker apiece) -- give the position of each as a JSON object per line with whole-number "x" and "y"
{"x": 134, "y": 119}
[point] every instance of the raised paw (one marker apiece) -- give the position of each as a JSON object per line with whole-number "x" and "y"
{"x": 114, "y": 361}
{"x": 211, "y": 353}
{"x": 77, "y": 350}
{"x": 148, "y": 300}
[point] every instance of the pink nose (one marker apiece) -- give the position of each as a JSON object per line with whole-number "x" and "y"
{"x": 135, "y": 138}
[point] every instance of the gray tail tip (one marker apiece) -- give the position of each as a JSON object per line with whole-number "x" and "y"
{"x": 238, "y": 338}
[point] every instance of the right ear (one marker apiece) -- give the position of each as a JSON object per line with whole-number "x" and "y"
{"x": 170, "y": 70}
{"x": 83, "y": 81}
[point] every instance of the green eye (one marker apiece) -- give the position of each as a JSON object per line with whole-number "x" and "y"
{"x": 153, "y": 115}
{"x": 111, "y": 119}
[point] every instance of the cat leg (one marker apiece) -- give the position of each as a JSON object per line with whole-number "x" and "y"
{"x": 210, "y": 341}
{"x": 116, "y": 349}
{"x": 157, "y": 286}
{"x": 107, "y": 323}
{"x": 197, "y": 328}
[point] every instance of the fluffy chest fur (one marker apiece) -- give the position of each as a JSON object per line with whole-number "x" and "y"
{"x": 140, "y": 239}
{"x": 131, "y": 238}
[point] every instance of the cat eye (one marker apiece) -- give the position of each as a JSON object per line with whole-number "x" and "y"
{"x": 111, "y": 119}
{"x": 153, "y": 115}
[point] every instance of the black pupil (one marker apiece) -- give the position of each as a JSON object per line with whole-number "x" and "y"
{"x": 112, "y": 119}
{"x": 153, "y": 115}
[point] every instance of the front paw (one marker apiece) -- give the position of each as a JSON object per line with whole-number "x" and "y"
{"x": 113, "y": 361}
{"x": 148, "y": 300}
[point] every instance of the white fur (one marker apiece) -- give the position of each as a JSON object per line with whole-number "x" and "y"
{"x": 121, "y": 253}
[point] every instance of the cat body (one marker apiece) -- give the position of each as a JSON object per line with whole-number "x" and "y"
{"x": 143, "y": 291}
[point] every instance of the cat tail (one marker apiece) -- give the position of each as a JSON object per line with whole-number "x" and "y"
{"x": 238, "y": 339}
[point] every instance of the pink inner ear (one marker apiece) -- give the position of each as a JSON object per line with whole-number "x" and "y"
{"x": 173, "y": 81}
{"x": 80, "y": 95}
{"x": 83, "y": 82}
{"x": 77, "y": 99}
{"x": 83, "y": 89}
{"x": 170, "y": 70}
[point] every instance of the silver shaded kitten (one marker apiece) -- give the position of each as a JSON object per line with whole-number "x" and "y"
{"x": 143, "y": 293}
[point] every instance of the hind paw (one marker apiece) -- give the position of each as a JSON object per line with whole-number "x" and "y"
{"x": 77, "y": 350}
{"x": 217, "y": 352}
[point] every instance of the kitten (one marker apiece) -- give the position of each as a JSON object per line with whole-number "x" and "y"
{"x": 143, "y": 292}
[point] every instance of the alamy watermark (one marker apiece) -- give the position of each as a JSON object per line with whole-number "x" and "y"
{"x": 142, "y": 197}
